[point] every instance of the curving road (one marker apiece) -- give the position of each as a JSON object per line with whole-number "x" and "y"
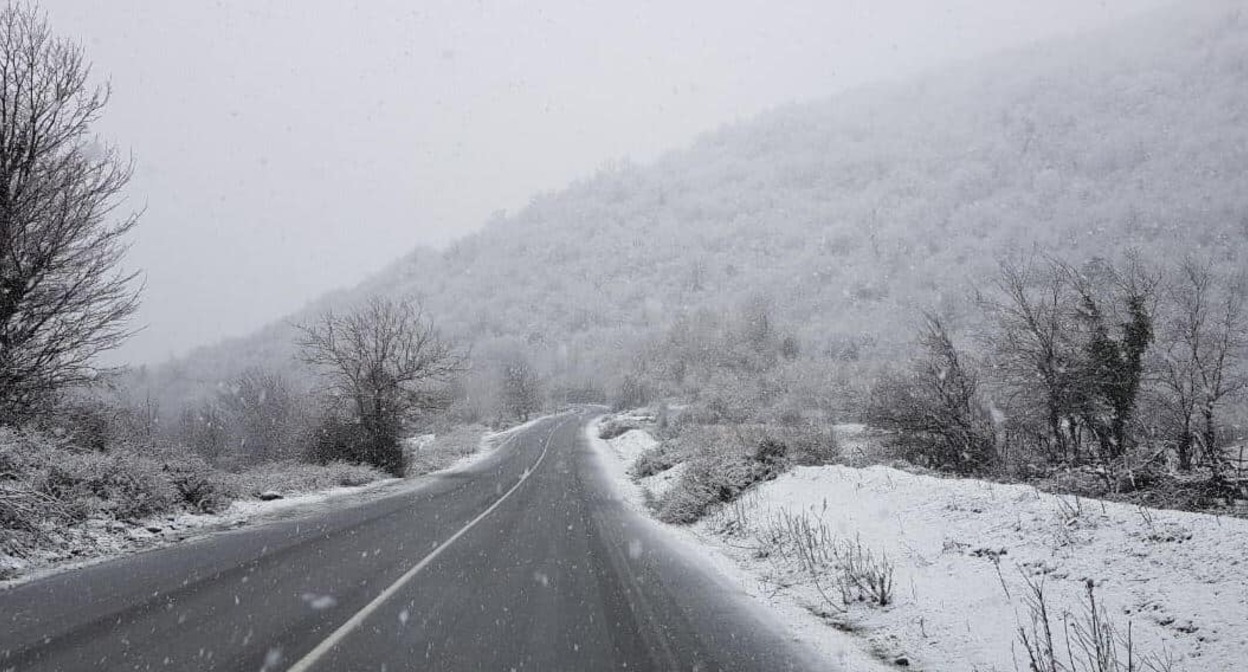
{"x": 524, "y": 561}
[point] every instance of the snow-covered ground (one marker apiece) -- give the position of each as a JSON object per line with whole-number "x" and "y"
{"x": 964, "y": 553}
{"x": 618, "y": 455}
{"x": 629, "y": 446}
{"x": 98, "y": 540}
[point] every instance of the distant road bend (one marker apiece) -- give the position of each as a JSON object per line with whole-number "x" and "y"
{"x": 524, "y": 561}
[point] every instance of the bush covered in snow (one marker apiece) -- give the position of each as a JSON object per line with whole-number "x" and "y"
{"x": 76, "y": 484}
{"x": 50, "y": 490}
{"x": 616, "y": 427}
{"x": 653, "y": 461}
{"x": 293, "y": 477}
{"x": 721, "y": 465}
{"x": 445, "y": 448}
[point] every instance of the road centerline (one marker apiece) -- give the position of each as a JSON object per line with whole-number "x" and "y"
{"x": 326, "y": 645}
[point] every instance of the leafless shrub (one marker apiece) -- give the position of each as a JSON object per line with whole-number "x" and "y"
{"x": 721, "y": 466}
{"x": 615, "y": 428}
{"x": 445, "y": 448}
{"x": 201, "y": 488}
{"x": 23, "y": 510}
{"x": 1084, "y": 642}
{"x": 935, "y": 411}
{"x": 829, "y": 562}
{"x": 521, "y": 388}
{"x": 808, "y": 443}
{"x": 264, "y": 418}
{"x": 864, "y": 576}
{"x": 295, "y": 477}
{"x": 653, "y": 461}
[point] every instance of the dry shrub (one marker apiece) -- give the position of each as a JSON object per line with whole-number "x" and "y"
{"x": 722, "y": 465}
{"x": 615, "y": 428}
{"x": 809, "y": 444}
{"x": 202, "y": 489}
{"x": 656, "y": 460}
{"x": 1080, "y": 642}
{"x": 445, "y": 449}
{"x": 117, "y": 485}
{"x": 297, "y": 477}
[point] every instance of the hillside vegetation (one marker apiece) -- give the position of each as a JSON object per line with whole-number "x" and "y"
{"x": 846, "y": 216}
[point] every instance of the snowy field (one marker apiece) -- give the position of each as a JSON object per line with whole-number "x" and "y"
{"x": 966, "y": 559}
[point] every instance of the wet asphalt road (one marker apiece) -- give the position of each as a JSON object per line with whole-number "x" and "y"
{"x": 524, "y": 561}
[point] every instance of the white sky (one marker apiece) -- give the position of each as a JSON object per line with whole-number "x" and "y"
{"x": 285, "y": 149}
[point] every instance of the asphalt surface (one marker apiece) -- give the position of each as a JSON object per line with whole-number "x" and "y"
{"x": 524, "y": 561}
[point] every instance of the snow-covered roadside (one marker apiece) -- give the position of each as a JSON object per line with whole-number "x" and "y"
{"x": 964, "y": 551}
{"x": 246, "y": 511}
{"x": 618, "y": 455}
{"x": 102, "y": 540}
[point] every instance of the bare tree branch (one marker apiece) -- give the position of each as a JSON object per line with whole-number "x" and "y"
{"x": 62, "y": 299}
{"x": 381, "y": 357}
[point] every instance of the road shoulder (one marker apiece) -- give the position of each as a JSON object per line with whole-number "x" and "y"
{"x": 846, "y": 652}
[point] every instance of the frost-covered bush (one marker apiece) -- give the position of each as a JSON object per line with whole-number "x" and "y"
{"x": 445, "y": 449}
{"x": 344, "y": 439}
{"x": 722, "y": 465}
{"x": 615, "y": 428}
{"x": 295, "y": 477}
{"x": 48, "y": 481}
{"x": 200, "y": 487}
{"x": 808, "y": 444}
{"x": 632, "y": 392}
{"x": 119, "y": 485}
{"x": 653, "y": 461}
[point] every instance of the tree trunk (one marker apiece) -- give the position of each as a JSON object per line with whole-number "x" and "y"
{"x": 1209, "y": 436}
{"x": 1185, "y": 446}
{"x": 1055, "y": 426}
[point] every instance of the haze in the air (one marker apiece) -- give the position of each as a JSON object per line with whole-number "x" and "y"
{"x": 286, "y": 149}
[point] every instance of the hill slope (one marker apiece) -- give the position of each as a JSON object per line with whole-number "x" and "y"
{"x": 845, "y": 215}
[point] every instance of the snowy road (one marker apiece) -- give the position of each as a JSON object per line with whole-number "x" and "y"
{"x": 522, "y": 561}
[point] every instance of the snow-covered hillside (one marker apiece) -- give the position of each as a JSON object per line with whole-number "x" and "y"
{"x": 844, "y": 215}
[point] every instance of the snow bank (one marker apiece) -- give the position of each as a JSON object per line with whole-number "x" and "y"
{"x": 630, "y": 445}
{"x": 963, "y": 552}
{"x": 834, "y": 646}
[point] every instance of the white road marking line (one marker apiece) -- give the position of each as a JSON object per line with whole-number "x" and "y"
{"x": 305, "y": 663}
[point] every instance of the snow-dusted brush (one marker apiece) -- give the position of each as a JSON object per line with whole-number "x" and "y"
{"x": 804, "y": 550}
{"x": 1087, "y": 641}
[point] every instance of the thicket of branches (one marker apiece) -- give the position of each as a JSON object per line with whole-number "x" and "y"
{"x": 257, "y": 417}
{"x": 379, "y": 364}
{"x": 63, "y": 299}
{"x": 936, "y": 409}
{"x": 1107, "y": 364}
{"x": 521, "y": 388}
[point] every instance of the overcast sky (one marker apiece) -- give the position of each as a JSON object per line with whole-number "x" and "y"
{"x": 284, "y": 149}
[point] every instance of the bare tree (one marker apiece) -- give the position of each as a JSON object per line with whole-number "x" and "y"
{"x": 1204, "y": 344}
{"x": 62, "y": 298}
{"x": 381, "y": 360}
{"x": 936, "y": 410}
{"x": 263, "y": 412}
{"x": 522, "y": 394}
{"x": 1035, "y": 352}
{"x": 203, "y": 430}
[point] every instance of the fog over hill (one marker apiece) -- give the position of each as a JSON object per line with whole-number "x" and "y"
{"x": 846, "y": 216}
